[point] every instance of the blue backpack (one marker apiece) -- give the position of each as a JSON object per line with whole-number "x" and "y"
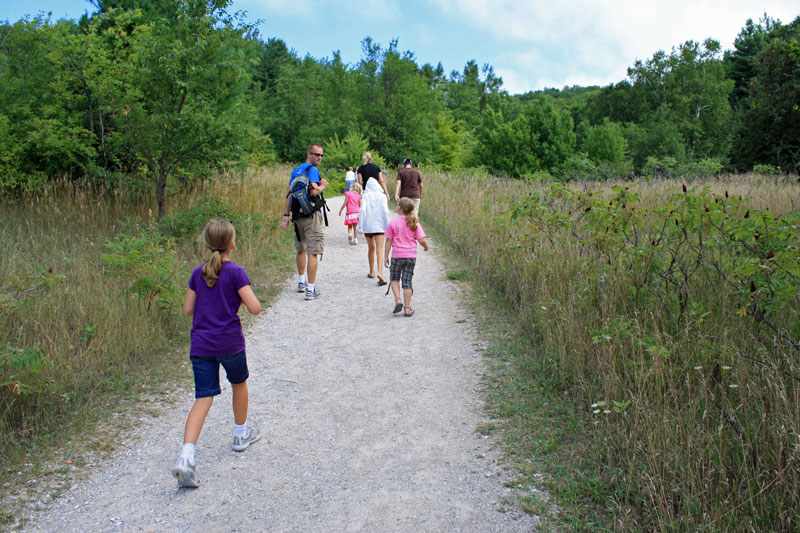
{"x": 307, "y": 204}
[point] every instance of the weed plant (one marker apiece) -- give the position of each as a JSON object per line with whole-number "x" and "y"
{"x": 670, "y": 313}
{"x": 91, "y": 288}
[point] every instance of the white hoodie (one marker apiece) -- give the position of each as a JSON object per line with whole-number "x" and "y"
{"x": 374, "y": 215}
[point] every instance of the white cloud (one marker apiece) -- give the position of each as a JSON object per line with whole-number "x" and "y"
{"x": 583, "y": 40}
{"x": 513, "y": 81}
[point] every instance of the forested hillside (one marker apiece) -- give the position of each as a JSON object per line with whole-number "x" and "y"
{"x": 181, "y": 89}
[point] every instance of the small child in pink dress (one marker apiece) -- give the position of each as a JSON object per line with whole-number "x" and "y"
{"x": 402, "y": 235}
{"x": 352, "y": 200}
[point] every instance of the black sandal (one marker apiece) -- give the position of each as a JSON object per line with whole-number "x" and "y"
{"x": 397, "y": 307}
{"x": 409, "y": 313}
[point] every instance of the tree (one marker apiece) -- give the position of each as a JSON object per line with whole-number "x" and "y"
{"x": 182, "y": 80}
{"x": 688, "y": 89}
{"x": 772, "y": 134}
{"x": 43, "y": 135}
{"x": 541, "y": 137}
{"x": 605, "y": 143}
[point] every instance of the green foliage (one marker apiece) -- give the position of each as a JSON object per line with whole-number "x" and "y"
{"x": 605, "y": 143}
{"x": 21, "y": 369}
{"x": 767, "y": 170}
{"x": 688, "y": 89}
{"x": 673, "y": 317}
{"x": 185, "y": 223}
{"x": 770, "y": 131}
{"x": 340, "y": 154}
{"x": 147, "y": 266}
{"x": 186, "y": 75}
{"x": 541, "y": 137}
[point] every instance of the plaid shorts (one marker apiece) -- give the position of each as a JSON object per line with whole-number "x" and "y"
{"x": 402, "y": 269}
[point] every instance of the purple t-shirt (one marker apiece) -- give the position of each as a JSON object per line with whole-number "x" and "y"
{"x": 404, "y": 241}
{"x": 216, "y": 328}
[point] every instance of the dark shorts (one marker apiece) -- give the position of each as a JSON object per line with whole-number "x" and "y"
{"x": 402, "y": 269}
{"x": 371, "y": 235}
{"x": 206, "y": 372}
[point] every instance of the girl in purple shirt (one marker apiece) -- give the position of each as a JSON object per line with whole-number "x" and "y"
{"x": 216, "y": 290}
{"x": 402, "y": 234}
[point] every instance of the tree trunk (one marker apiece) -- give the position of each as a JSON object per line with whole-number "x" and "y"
{"x": 161, "y": 185}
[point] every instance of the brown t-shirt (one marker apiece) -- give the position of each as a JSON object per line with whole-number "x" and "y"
{"x": 410, "y": 181}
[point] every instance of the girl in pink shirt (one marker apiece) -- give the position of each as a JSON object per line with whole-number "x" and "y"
{"x": 402, "y": 235}
{"x": 352, "y": 200}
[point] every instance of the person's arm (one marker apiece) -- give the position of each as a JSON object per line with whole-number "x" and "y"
{"x": 317, "y": 188}
{"x": 424, "y": 243}
{"x": 188, "y": 303}
{"x": 420, "y": 188}
{"x": 397, "y": 189}
{"x": 383, "y": 184}
{"x": 344, "y": 204}
{"x": 249, "y": 300}
{"x": 387, "y": 246}
{"x": 360, "y": 179}
{"x": 287, "y": 210}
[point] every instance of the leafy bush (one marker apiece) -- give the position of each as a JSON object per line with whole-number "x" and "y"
{"x": 707, "y": 167}
{"x": 148, "y": 267}
{"x": 767, "y": 170}
{"x": 579, "y": 167}
{"x": 347, "y": 152}
{"x": 190, "y": 222}
{"x": 606, "y": 143}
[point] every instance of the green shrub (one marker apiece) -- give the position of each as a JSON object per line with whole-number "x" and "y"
{"x": 768, "y": 170}
{"x": 190, "y": 222}
{"x": 148, "y": 267}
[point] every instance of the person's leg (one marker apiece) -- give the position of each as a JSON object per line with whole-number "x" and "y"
{"x": 241, "y": 398}
{"x": 245, "y": 431}
{"x": 379, "y": 241}
{"x": 301, "y": 262}
{"x": 371, "y": 255}
{"x": 395, "y": 285}
{"x": 406, "y": 277}
{"x": 197, "y": 416}
{"x": 313, "y": 262}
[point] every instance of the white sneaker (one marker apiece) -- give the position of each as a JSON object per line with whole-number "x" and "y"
{"x": 183, "y": 471}
{"x": 301, "y": 286}
{"x": 355, "y": 241}
{"x": 240, "y": 444}
{"x": 312, "y": 295}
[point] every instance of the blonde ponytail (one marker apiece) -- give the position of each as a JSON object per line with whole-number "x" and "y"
{"x": 218, "y": 236}
{"x": 408, "y": 210}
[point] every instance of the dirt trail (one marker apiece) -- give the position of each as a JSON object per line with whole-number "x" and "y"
{"x": 368, "y": 420}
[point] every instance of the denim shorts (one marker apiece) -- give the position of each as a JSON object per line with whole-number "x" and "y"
{"x": 206, "y": 372}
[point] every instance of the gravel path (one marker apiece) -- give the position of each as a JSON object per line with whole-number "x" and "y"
{"x": 368, "y": 421}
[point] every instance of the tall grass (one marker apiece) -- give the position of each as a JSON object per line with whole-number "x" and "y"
{"x": 672, "y": 313}
{"x": 91, "y": 287}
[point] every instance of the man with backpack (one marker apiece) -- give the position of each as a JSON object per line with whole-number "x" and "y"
{"x": 305, "y": 204}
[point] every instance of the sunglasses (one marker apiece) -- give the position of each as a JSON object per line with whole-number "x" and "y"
{"x": 316, "y": 154}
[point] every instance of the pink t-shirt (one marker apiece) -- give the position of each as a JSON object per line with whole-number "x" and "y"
{"x": 353, "y": 202}
{"x": 404, "y": 241}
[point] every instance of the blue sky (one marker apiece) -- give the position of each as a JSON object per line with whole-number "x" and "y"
{"x": 531, "y": 44}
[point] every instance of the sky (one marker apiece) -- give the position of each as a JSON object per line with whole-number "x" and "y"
{"x": 530, "y": 44}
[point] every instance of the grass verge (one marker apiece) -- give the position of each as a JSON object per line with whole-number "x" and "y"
{"x": 91, "y": 326}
